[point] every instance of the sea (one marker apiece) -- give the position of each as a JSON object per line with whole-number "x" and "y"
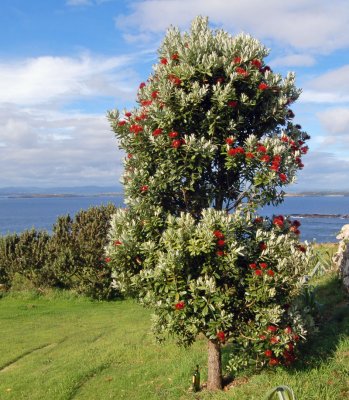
{"x": 321, "y": 216}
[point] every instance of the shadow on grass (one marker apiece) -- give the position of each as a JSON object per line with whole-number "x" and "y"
{"x": 332, "y": 322}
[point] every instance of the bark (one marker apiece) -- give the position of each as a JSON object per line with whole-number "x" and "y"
{"x": 214, "y": 379}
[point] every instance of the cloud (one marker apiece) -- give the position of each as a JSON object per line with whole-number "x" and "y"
{"x": 79, "y": 2}
{"x": 336, "y": 121}
{"x": 55, "y": 149}
{"x": 330, "y": 87}
{"x": 294, "y": 60}
{"x": 322, "y": 171}
{"x": 313, "y": 26}
{"x": 45, "y": 79}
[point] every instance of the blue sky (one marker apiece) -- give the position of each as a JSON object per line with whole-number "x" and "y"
{"x": 64, "y": 63}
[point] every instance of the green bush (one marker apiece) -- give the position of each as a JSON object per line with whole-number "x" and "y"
{"x": 71, "y": 258}
{"x": 77, "y": 252}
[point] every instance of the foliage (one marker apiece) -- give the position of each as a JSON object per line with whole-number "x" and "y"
{"x": 212, "y": 134}
{"x": 71, "y": 258}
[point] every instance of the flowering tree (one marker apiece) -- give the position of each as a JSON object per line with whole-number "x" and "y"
{"x": 210, "y": 141}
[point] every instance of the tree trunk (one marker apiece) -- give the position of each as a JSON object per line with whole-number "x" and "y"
{"x": 214, "y": 379}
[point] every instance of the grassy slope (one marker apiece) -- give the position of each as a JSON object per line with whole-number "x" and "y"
{"x": 71, "y": 348}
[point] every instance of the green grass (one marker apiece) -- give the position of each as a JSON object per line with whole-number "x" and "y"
{"x": 63, "y": 347}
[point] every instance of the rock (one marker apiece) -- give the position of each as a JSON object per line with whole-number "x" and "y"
{"x": 341, "y": 258}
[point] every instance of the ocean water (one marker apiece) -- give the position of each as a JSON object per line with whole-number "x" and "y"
{"x": 18, "y": 214}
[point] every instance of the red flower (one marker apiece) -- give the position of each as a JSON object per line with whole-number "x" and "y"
{"x": 272, "y": 328}
{"x": 136, "y": 129}
{"x": 174, "y": 79}
{"x": 173, "y": 134}
{"x": 279, "y": 221}
{"x": 274, "y": 340}
{"x": 117, "y": 243}
{"x": 295, "y": 230}
{"x": 262, "y": 337}
{"x": 288, "y": 330}
{"x": 229, "y": 141}
{"x": 121, "y": 123}
{"x": 253, "y": 266}
{"x": 232, "y": 103}
{"x": 270, "y": 272}
{"x": 288, "y": 356}
{"x": 107, "y": 259}
{"x": 218, "y": 234}
{"x": 265, "y": 158}
{"x": 283, "y": 178}
{"x": 180, "y": 305}
{"x": 304, "y": 150}
{"x": 290, "y": 346}
{"x": 263, "y": 265}
{"x": 261, "y": 149}
{"x": 157, "y": 132}
{"x": 154, "y": 94}
{"x": 258, "y": 220}
{"x": 221, "y": 243}
{"x": 175, "y": 56}
{"x": 129, "y": 155}
{"x": 258, "y": 272}
{"x": 262, "y": 246}
{"x": 256, "y": 63}
{"x": 241, "y": 71}
{"x": 146, "y": 103}
{"x": 221, "y": 336}
{"x": 142, "y": 85}
{"x": 296, "y": 223}
{"x": 263, "y": 86}
{"x": 274, "y": 361}
{"x": 295, "y": 338}
{"x": 176, "y": 143}
{"x": 301, "y": 248}
{"x": 268, "y": 353}
{"x": 284, "y": 139}
{"x": 163, "y": 61}
{"x": 141, "y": 117}
{"x": 235, "y": 151}
{"x": 237, "y": 60}
{"x": 128, "y": 114}
{"x": 249, "y": 155}
{"x": 220, "y": 253}
{"x": 144, "y": 188}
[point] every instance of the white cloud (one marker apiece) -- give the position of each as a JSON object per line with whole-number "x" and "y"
{"x": 45, "y": 79}
{"x": 54, "y": 149}
{"x": 336, "y": 121}
{"x": 79, "y": 2}
{"x": 323, "y": 171}
{"x": 293, "y": 60}
{"x": 331, "y": 87}
{"x": 319, "y": 26}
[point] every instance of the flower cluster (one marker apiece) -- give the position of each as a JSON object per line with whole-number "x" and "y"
{"x": 279, "y": 344}
{"x": 220, "y": 243}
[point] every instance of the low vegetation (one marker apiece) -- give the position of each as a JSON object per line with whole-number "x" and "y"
{"x": 71, "y": 258}
{"x": 64, "y": 346}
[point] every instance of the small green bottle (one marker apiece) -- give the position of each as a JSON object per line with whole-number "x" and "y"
{"x": 196, "y": 379}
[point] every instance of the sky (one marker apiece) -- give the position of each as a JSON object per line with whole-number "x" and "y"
{"x": 64, "y": 63}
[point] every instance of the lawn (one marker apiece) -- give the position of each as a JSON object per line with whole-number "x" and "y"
{"x": 63, "y": 347}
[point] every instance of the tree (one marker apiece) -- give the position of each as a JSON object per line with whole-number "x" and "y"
{"x": 210, "y": 141}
